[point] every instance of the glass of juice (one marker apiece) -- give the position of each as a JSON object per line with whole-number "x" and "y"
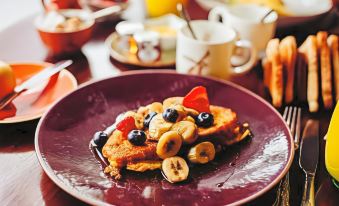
{"x": 157, "y": 8}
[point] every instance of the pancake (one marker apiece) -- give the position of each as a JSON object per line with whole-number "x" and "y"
{"x": 122, "y": 152}
{"x": 224, "y": 120}
{"x": 142, "y": 166}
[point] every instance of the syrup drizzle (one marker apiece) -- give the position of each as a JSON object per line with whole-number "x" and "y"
{"x": 232, "y": 164}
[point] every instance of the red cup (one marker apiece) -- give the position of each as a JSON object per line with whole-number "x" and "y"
{"x": 60, "y": 4}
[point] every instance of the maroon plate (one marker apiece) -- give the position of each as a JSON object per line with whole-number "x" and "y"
{"x": 244, "y": 172}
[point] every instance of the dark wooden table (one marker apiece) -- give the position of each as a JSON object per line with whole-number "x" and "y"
{"x": 23, "y": 182}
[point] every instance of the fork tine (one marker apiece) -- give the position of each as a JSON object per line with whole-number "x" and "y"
{"x": 285, "y": 114}
{"x": 297, "y": 131}
{"x": 289, "y": 117}
{"x": 293, "y": 120}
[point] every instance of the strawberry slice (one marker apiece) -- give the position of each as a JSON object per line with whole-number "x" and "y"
{"x": 197, "y": 99}
{"x": 126, "y": 125}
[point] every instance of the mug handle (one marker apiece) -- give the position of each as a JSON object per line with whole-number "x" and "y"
{"x": 219, "y": 13}
{"x": 252, "y": 60}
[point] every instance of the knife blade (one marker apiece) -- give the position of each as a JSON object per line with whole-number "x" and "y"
{"x": 44, "y": 74}
{"x": 308, "y": 160}
{"x": 309, "y": 149}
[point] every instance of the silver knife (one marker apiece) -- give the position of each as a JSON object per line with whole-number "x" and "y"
{"x": 308, "y": 160}
{"x": 44, "y": 74}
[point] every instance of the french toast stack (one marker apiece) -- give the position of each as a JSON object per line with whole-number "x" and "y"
{"x": 305, "y": 73}
{"x": 163, "y": 135}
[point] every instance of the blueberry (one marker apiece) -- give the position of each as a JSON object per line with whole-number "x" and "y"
{"x": 137, "y": 137}
{"x": 100, "y": 138}
{"x": 170, "y": 115}
{"x": 205, "y": 119}
{"x": 148, "y": 119}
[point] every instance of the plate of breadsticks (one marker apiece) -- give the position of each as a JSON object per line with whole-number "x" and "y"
{"x": 308, "y": 73}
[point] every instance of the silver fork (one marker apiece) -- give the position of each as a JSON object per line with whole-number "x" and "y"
{"x": 292, "y": 116}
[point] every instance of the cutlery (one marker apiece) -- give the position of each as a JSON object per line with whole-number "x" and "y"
{"x": 44, "y": 74}
{"x": 184, "y": 14}
{"x": 292, "y": 117}
{"x": 308, "y": 160}
{"x": 100, "y": 13}
{"x": 107, "y": 11}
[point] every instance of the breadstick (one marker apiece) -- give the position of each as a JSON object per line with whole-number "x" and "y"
{"x": 267, "y": 70}
{"x": 272, "y": 53}
{"x": 309, "y": 49}
{"x": 288, "y": 54}
{"x": 334, "y": 48}
{"x": 325, "y": 69}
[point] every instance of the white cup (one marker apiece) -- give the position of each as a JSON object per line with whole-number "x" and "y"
{"x": 246, "y": 20}
{"x": 213, "y": 52}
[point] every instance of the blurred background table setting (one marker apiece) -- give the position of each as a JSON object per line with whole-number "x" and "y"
{"x": 284, "y": 52}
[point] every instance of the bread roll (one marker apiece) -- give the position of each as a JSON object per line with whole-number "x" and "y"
{"x": 276, "y": 84}
{"x": 309, "y": 49}
{"x": 325, "y": 69}
{"x": 288, "y": 55}
{"x": 334, "y": 49}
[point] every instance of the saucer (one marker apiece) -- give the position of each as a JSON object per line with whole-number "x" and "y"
{"x": 167, "y": 58}
{"x": 301, "y": 11}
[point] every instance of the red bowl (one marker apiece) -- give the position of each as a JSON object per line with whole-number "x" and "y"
{"x": 66, "y": 41}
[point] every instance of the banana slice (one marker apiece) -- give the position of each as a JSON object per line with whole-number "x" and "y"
{"x": 172, "y": 101}
{"x": 201, "y": 153}
{"x": 189, "y": 118}
{"x": 169, "y": 144}
{"x": 142, "y": 111}
{"x": 181, "y": 111}
{"x": 188, "y": 131}
{"x": 175, "y": 169}
{"x": 191, "y": 112}
{"x": 158, "y": 126}
{"x": 154, "y": 107}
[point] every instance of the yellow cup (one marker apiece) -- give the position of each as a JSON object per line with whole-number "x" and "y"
{"x": 157, "y": 8}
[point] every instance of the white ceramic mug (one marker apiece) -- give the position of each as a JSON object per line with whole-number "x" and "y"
{"x": 246, "y": 20}
{"x": 213, "y": 51}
